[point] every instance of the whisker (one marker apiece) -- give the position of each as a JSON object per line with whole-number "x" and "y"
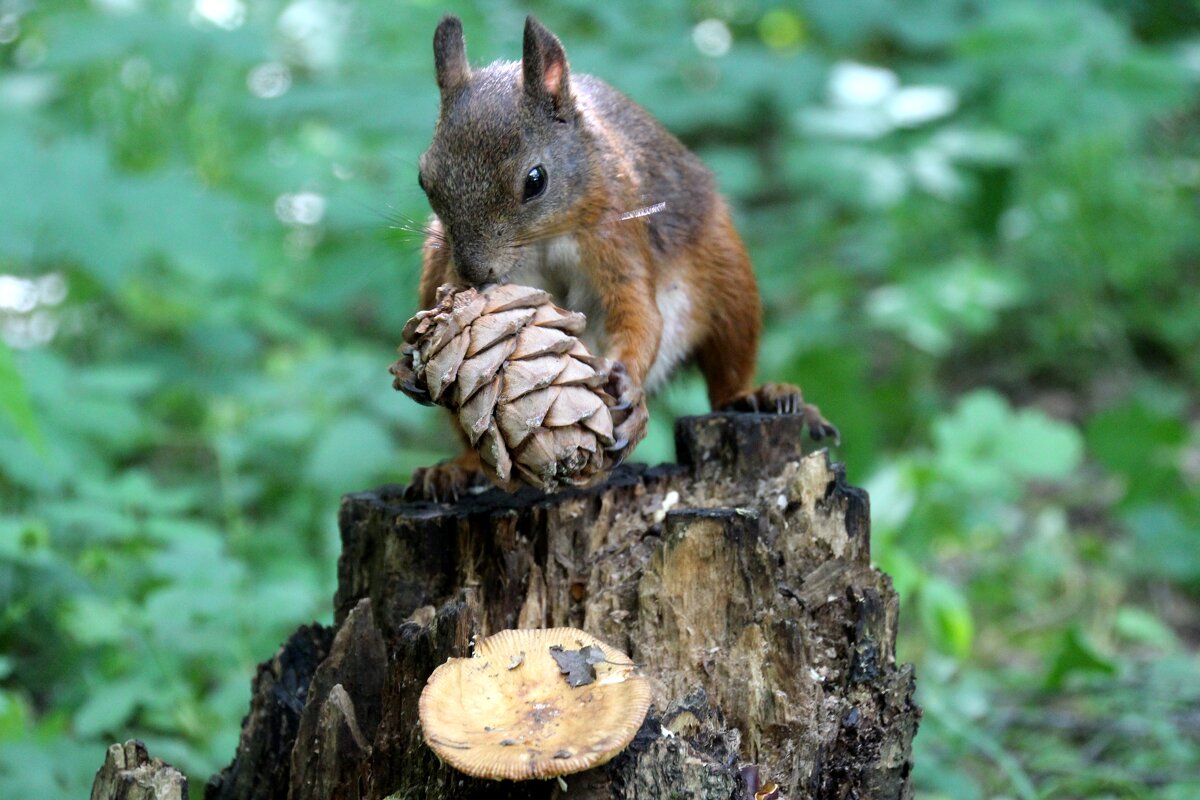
{"x": 402, "y": 222}
{"x": 423, "y": 238}
{"x": 545, "y": 233}
{"x": 430, "y": 236}
{"x": 403, "y": 227}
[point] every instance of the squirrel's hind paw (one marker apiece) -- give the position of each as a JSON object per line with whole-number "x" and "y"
{"x": 447, "y": 481}
{"x": 784, "y": 398}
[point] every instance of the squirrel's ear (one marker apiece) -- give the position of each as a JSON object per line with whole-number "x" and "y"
{"x": 545, "y": 68}
{"x": 450, "y": 54}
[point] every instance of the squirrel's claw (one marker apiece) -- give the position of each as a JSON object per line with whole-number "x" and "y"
{"x": 629, "y": 413}
{"x": 416, "y": 392}
{"x": 784, "y": 398}
{"x": 405, "y": 380}
{"x": 819, "y": 428}
{"x": 618, "y": 445}
{"x": 447, "y": 481}
{"x": 789, "y": 404}
{"x": 628, "y": 432}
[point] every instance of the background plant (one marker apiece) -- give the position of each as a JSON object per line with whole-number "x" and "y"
{"x": 975, "y": 225}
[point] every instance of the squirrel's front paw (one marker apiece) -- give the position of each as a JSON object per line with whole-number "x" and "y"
{"x": 629, "y": 412}
{"x": 447, "y": 481}
{"x": 784, "y": 398}
{"x": 405, "y": 380}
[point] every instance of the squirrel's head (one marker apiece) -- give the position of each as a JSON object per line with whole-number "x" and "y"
{"x": 507, "y": 164}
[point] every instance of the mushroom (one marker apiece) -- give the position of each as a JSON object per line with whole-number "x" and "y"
{"x": 509, "y": 712}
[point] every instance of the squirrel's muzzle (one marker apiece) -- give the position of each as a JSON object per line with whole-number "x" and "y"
{"x": 474, "y": 267}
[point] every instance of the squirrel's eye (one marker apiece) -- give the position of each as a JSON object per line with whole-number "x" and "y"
{"x": 421, "y": 182}
{"x": 535, "y": 183}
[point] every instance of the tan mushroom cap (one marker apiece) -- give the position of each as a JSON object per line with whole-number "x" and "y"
{"x": 490, "y": 719}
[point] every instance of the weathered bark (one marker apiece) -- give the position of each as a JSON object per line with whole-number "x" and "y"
{"x": 129, "y": 773}
{"x": 739, "y": 579}
{"x": 261, "y": 767}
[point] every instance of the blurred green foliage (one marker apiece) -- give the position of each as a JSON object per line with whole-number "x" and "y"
{"x": 975, "y": 225}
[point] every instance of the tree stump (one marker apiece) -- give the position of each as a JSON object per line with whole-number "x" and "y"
{"x": 739, "y": 578}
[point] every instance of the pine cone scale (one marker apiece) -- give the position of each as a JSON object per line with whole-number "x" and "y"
{"x": 534, "y": 341}
{"x": 509, "y": 296}
{"x": 523, "y": 377}
{"x": 519, "y": 418}
{"x": 442, "y": 369}
{"x": 481, "y": 370}
{"x": 527, "y": 393}
{"x": 476, "y": 414}
{"x": 490, "y": 329}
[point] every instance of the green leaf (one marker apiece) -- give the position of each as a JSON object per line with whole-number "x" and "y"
{"x": 1076, "y": 655}
{"x": 1138, "y": 625}
{"x": 94, "y": 620}
{"x": 941, "y": 309}
{"x": 1039, "y": 447}
{"x": 14, "y": 400}
{"x": 946, "y": 617}
{"x": 992, "y": 450}
{"x": 1140, "y": 442}
{"x": 1165, "y": 543}
{"x": 108, "y": 708}
{"x": 14, "y": 715}
{"x": 349, "y": 453}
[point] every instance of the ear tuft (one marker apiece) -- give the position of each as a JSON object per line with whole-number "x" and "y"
{"x": 450, "y": 54}
{"x": 545, "y": 68}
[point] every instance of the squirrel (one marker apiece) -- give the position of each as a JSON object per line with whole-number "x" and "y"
{"x": 546, "y": 178}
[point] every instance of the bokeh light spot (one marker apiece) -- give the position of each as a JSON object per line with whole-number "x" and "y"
{"x": 782, "y": 29}
{"x": 712, "y": 37}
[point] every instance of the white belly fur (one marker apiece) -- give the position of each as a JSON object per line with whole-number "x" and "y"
{"x": 675, "y": 307}
{"x": 554, "y": 266}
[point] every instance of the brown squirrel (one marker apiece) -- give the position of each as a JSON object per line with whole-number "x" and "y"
{"x": 544, "y": 178}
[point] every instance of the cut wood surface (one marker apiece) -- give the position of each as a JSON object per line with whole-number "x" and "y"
{"x": 739, "y": 579}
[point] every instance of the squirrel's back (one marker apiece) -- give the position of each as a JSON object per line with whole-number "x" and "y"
{"x": 657, "y": 167}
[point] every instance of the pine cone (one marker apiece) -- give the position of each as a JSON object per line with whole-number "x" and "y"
{"x": 526, "y": 391}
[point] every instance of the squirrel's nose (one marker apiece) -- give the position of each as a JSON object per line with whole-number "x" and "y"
{"x": 472, "y": 266}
